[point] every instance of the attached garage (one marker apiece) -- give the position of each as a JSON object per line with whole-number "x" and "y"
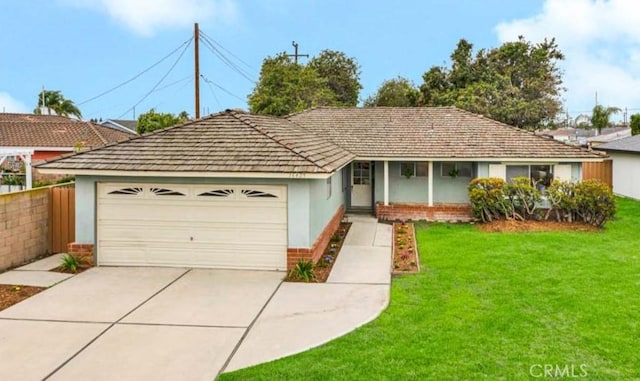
{"x": 221, "y": 226}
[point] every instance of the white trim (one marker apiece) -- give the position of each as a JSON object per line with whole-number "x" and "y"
{"x": 68, "y": 149}
{"x": 265, "y": 175}
{"x": 487, "y": 159}
{"x": 430, "y": 184}
{"x": 386, "y": 183}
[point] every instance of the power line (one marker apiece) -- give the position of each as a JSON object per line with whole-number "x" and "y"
{"x": 137, "y": 75}
{"x": 227, "y": 50}
{"x": 160, "y": 81}
{"x": 209, "y": 82}
{"x": 226, "y": 60}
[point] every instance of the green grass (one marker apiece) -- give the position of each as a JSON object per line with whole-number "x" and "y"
{"x": 492, "y": 305}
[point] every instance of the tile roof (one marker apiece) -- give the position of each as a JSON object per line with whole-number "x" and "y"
{"x": 629, "y": 144}
{"x": 131, "y": 125}
{"x": 433, "y": 132}
{"x": 229, "y": 141}
{"x": 28, "y": 130}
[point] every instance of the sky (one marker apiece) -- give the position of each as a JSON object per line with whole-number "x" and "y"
{"x": 84, "y": 48}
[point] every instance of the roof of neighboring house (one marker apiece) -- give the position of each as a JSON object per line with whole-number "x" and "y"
{"x": 122, "y": 124}
{"x": 433, "y": 132}
{"x": 28, "y": 130}
{"x": 604, "y": 137}
{"x": 629, "y": 144}
{"x": 229, "y": 141}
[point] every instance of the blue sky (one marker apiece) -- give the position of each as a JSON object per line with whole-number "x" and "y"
{"x": 85, "y": 47}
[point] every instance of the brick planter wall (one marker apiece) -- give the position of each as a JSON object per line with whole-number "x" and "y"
{"x": 438, "y": 212}
{"x": 24, "y": 226}
{"x": 315, "y": 252}
{"x": 79, "y": 248}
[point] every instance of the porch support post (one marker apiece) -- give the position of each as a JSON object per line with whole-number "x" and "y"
{"x": 386, "y": 182}
{"x": 430, "y": 183}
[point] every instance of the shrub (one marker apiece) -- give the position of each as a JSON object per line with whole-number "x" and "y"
{"x": 303, "y": 270}
{"x": 561, "y": 196}
{"x": 487, "y": 198}
{"x": 70, "y": 263}
{"x": 594, "y": 202}
{"x": 523, "y": 198}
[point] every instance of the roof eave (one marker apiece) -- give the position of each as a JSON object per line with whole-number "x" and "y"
{"x": 201, "y": 174}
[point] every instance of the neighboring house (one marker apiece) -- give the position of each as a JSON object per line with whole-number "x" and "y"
{"x": 235, "y": 190}
{"x": 49, "y": 136}
{"x": 625, "y": 156}
{"x": 586, "y": 136}
{"x": 129, "y": 126}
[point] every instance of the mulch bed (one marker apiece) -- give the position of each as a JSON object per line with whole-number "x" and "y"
{"x": 86, "y": 262}
{"x": 405, "y": 249}
{"x": 513, "y": 226}
{"x": 10, "y": 295}
{"x": 330, "y": 254}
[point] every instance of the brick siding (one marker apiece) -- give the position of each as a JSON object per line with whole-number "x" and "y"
{"x": 438, "y": 212}
{"x": 79, "y": 248}
{"x": 315, "y": 252}
{"x": 24, "y": 226}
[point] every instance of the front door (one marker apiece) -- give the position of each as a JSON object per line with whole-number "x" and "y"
{"x": 361, "y": 184}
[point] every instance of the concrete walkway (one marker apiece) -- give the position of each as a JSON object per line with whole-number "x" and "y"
{"x": 131, "y": 323}
{"x": 302, "y": 316}
{"x": 36, "y": 274}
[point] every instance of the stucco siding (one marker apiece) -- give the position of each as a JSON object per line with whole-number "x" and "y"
{"x": 626, "y": 174}
{"x": 298, "y": 210}
{"x": 322, "y": 206}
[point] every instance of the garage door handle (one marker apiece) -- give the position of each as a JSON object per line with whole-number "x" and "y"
{"x": 191, "y": 238}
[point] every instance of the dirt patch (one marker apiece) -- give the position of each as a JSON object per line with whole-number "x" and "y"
{"x": 513, "y": 226}
{"x": 85, "y": 260}
{"x": 405, "y": 249}
{"x": 10, "y": 295}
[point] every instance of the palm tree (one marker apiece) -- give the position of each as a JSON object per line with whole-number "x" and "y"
{"x": 54, "y": 100}
{"x": 600, "y": 116}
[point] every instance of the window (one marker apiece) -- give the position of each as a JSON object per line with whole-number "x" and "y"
{"x": 541, "y": 175}
{"x": 407, "y": 169}
{"x": 422, "y": 169}
{"x": 328, "y": 188}
{"x": 361, "y": 173}
{"x": 452, "y": 169}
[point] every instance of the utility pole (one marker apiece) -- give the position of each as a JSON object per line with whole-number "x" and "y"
{"x": 295, "y": 54}
{"x": 196, "y": 40}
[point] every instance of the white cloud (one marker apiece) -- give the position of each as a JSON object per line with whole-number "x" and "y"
{"x": 145, "y": 17}
{"x": 601, "y": 43}
{"x": 9, "y": 104}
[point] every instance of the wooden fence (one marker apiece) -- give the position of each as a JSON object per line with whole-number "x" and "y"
{"x": 62, "y": 218}
{"x": 602, "y": 171}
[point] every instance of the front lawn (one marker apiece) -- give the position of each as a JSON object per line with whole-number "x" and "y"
{"x": 496, "y": 306}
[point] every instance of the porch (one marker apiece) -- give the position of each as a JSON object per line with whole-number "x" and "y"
{"x": 417, "y": 190}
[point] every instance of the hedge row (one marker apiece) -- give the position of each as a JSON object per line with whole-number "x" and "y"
{"x": 589, "y": 201}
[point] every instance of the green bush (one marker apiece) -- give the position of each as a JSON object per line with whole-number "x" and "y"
{"x": 303, "y": 270}
{"x": 487, "y": 198}
{"x": 70, "y": 263}
{"x": 590, "y": 201}
{"x": 594, "y": 201}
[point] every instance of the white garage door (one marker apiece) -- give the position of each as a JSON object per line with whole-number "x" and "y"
{"x": 222, "y": 226}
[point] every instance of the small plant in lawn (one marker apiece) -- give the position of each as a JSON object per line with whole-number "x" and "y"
{"x": 70, "y": 263}
{"x": 15, "y": 288}
{"x": 303, "y": 270}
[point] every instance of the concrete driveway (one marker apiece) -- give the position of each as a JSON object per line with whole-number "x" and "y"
{"x": 133, "y": 323}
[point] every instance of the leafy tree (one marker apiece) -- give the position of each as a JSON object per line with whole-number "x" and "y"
{"x": 54, "y": 100}
{"x": 342, "y": 74}
{"x": 331, "y": 79}
{"x": 600, "y": 116}
{"x": 152, "y": 120}
{"x": 397, "y": 92}
{"x": 635, "y": 124}
{"x": 518, "y": 83}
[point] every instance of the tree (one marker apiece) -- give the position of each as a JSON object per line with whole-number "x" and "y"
{"x": 54, "y": 100}
{"x": 152, "y": 120}
{"x": 342, "y": 74}
{"x": 518, "y": 83}
{"x": 397, "y": 92}
{"x": 285, "y": 87}
{"x": 600, "y": 116}
{"x": 635, "y": 124}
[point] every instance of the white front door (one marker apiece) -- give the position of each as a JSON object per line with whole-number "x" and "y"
{"x": 361, "y": 184}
